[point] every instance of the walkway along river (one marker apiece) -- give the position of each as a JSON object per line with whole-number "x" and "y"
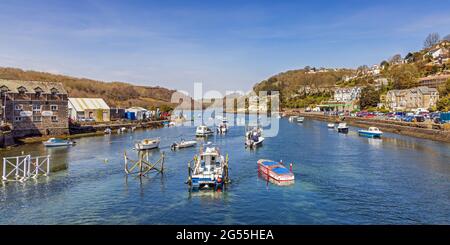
{"x": 340, "y": 179}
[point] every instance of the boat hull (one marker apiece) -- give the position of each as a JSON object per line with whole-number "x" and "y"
{"x": 185, "y": 144}
{"x": 343, "y": 130}
{"x": 57, "y": 144}
{"x": 369, "y": 134}
{"x": 140, "y": 146}
{"x": 275, "y": 172}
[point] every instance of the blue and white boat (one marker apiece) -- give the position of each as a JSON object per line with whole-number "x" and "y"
{"x": 372, "y": 132}
{"x": 53, "y": 142}
{"x": 210, "y": 169}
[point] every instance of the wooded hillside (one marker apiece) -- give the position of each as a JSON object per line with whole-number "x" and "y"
{"x": 116, "y": 94}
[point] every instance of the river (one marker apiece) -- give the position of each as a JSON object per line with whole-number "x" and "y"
{"x": 340, "y": 179}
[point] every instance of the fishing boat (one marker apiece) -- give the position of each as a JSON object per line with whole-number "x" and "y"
{"x": 253, "y": 138}
{"x": 292, "y": 118}
{"x": 183, "y": 144}
{"x": 147, "y": 144}
{"x": 372, "y": 132}
{"x": 223, "y": 127}
{"x": 53, "y": 142}
{"x": 342, "y": 128}
{"x": 300, "y": 119}
{"x": 209, "y": 170}
{"x": 203, "y": 130}
{"x": 275, "y": 172}
{"x": 330, "y": 125}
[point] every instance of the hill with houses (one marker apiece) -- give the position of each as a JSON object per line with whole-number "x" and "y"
{"x": 367, "y": 87}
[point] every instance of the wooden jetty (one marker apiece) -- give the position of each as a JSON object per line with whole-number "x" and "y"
{"x": 142, "y": 166}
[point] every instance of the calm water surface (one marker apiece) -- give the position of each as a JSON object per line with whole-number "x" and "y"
{"x": 340, "y": 179}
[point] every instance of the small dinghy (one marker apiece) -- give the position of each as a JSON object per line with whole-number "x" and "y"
{"x": 300, "y": 119}
{"x": 253, "y": 138}
{"x": 372, "y": 132}
{"x": 147, "y": 144}
{"x": 275, "y": 172}
{"x": 342, "y": 128}
{"x": 53, "y": 142}
{"x": 330, "y": 125}
{"x": 183, "y": 144}
{"x": 107, "y": 131}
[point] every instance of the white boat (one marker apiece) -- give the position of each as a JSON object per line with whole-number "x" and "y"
{"x": 342, "y": 128}
{"x": 107, "y": 131}
{"x": 253, "y": 138}
{"x": 300, "y": 119}
{"x": 203, "y": 130}
{"x": 147, "y": 144}
{"x": 210, "y": 169}
{"x": 183, "y": 144}
{"x": 330, "y": 125}
{"x": 372, "y": 132}
{"x": 223, "y": 127}
{"x": 121, "y": 130}
{"x": 292, "y": 118}
{"x": 53, "y": 142}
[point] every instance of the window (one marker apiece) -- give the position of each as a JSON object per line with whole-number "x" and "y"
{"x": 53, "y": 107}
{"x": 54, "y": 118}
{"x": 18, "y": 119}
{"x": 36, "y": 108}
{"x": 18, "y": 107}
{"x": 37, "y": 119}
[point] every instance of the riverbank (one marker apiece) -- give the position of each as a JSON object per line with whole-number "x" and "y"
{"x": 418, "y": 130}
{"x": 89, "y": 130}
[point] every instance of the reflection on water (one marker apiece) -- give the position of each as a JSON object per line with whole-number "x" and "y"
{"x": 340, "y": 179}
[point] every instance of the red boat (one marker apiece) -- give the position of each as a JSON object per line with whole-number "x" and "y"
{"x": 275, "y": 172}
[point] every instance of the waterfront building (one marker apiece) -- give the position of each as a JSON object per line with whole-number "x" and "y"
{"x": 410, "y": 99}
{"x": 34, "y": 108}
{"x": 347, "y": 94}
{"x": 89, "y": 109}
{"x": 139, "y": 112}
{"x": 116, "y": 113}
{"x": 433, "y": 81}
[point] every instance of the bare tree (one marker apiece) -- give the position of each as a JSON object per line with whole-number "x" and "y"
{"x": 432, "y": 39}
{"x": 396, "y": 59}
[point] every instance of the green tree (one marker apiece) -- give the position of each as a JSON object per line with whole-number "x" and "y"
{"x": 404, "y": 76}
{"x": 369, "y": 98}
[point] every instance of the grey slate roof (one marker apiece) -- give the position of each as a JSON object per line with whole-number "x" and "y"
{"x": 12, "y": 86}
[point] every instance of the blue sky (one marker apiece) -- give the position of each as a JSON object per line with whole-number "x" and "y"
{"x": 227, "y": 45}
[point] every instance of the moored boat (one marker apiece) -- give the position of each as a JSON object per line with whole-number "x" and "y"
{"x": 300, "y": 119}
{"x": 223, "y": 127}
{"x": 183, "y": 144}
{"x": 292, "y": 118}
{"x": 210, "y": 169}
{"x": 108, "y": 131}
{"x": 53, "y": 142}
{"x": 275, "y": 172}
{"x": 147, "y": 144}
{"x": 330, "y": 125}
{"x": 202, "y": 131}
{"x": 372, "y": 132}
{"x": 253, "y": 138}
{"x": 342, "y": 128}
